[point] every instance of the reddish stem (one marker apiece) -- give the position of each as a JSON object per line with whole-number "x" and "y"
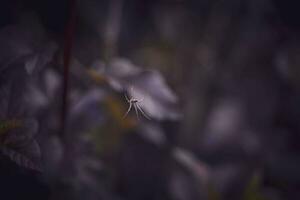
{"x": 68, "y": 41}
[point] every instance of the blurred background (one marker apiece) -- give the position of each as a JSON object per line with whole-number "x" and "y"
{"x": 213, "y": 89}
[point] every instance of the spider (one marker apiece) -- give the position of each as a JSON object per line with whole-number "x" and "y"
{"x": 134, "y": 102}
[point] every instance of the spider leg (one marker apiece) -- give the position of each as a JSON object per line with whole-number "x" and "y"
{"x": 127, "y": 99}
{"x": 136, "y": 110}
{"x": 130, "y": 105}
{"x": 142, "y": 111}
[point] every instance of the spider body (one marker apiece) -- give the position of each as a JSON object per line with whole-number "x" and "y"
{"x": 135, "y": 103}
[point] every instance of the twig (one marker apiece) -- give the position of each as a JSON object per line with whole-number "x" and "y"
{"x": 68, "y": 41}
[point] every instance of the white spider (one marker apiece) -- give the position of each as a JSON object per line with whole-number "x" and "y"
{"x": 135, "y": 103}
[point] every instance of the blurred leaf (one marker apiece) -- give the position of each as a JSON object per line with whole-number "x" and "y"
{"x": 213, "y": 194}
{"x": 20, "y": 158}
{"x": 153, "y": 133}
{"x": 13, "y": 86}
{"x": 159, "y": 101}
{"x": 108, "y": 136}
{"x": 7, "y": 125}
{"x": 117, "y": 111}
{"x": 95, "y": 76}
{"x": 27, "y": 46}
{"x": 20, "y": 146}
{"x": 253, "y": 189}
{"x": 86, "y": 112}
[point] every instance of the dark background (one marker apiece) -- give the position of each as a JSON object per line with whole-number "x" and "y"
{"x": 232, "y": 64}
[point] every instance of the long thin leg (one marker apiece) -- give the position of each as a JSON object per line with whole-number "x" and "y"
{"x": 130, "y": 105}
{"x": 142, "y": 111}
{"x": 136, "y": 111}
{"x": 127, "y": 99}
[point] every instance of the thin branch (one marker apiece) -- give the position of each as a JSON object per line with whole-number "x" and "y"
{"x": 68, "y": 41}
